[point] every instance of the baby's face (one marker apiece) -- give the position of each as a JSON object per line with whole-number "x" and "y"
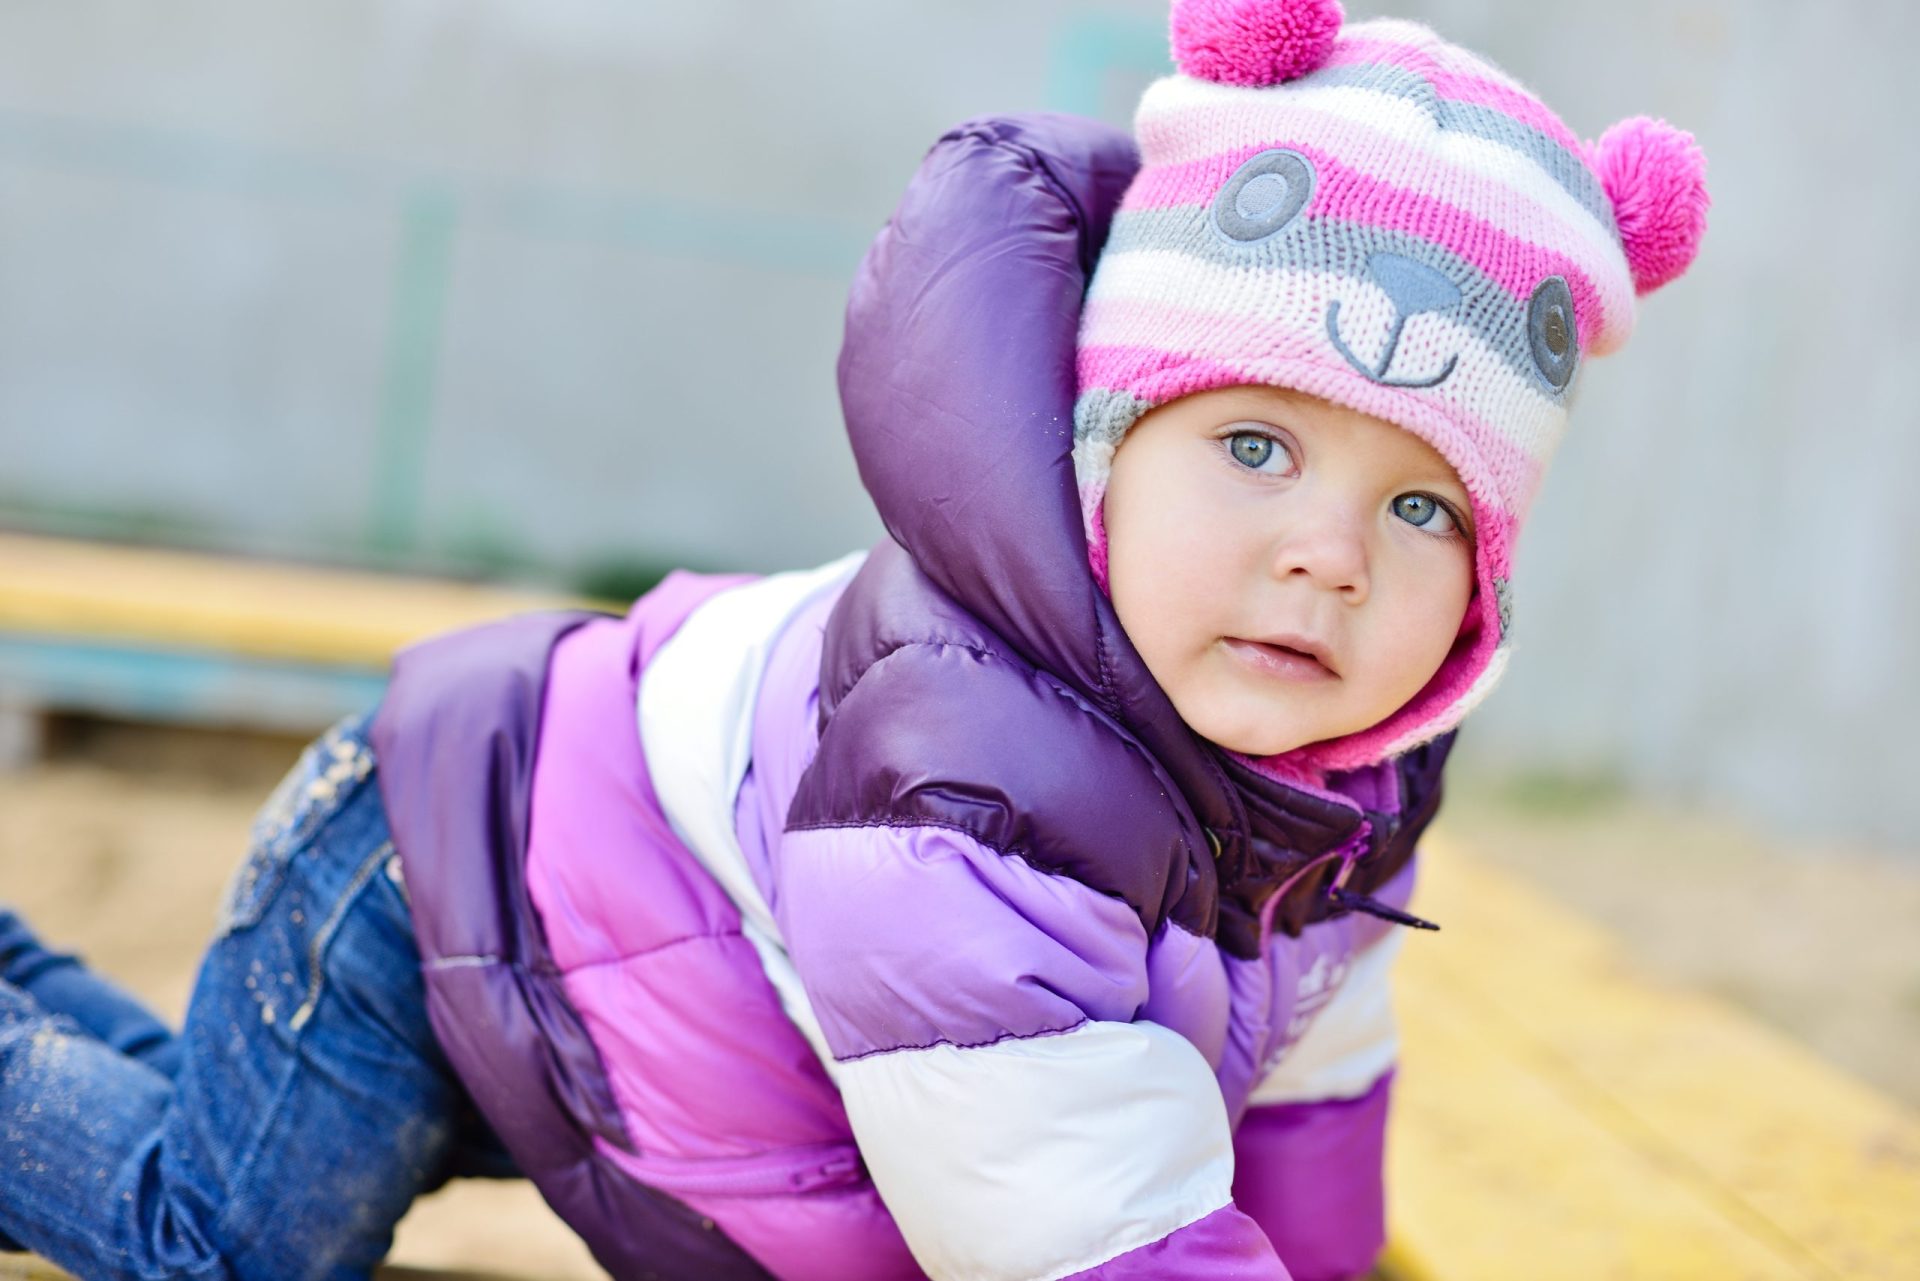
{"x": 1249, "y": 524}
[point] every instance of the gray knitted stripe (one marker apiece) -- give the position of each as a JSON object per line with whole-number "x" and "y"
{"x": 1562, "y": 165}
{"x": 1103, "y": 413}
{"x": 1340, "y": 247}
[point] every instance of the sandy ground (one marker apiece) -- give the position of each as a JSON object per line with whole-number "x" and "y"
{"x": 119, "y": 843}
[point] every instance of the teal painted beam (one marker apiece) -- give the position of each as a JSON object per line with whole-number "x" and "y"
{"x": 180, "y": 686}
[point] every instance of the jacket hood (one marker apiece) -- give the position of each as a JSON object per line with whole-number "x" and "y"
{"x": 958, "y": 381}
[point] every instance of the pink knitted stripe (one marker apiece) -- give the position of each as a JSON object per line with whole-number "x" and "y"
{"x": 1154, "y": 374}
{"x": 1458, "y": 86}
{"x": 1094, "y": 521}
{"x": 1158, "y": 376}
{"x": 1344, "y": 192}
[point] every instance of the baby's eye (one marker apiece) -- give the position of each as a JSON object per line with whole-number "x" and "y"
{"x": 1426, "y": 512}
{"x": 1255, "y": 451}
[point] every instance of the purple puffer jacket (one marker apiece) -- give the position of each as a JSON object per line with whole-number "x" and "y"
{"x": 997, "y": 995}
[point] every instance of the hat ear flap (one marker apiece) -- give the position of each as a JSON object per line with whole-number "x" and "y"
{"x": 1656, "y": 178}
{"x": 1253, "y": 42}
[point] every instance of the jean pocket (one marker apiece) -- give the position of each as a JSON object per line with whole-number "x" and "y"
{"x": 329, "y": 771}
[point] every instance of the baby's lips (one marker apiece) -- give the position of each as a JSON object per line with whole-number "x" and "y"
{"x": 1317, "y": 650}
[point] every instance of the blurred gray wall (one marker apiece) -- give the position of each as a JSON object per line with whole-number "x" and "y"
{"x": 464, "y": 284}
{"x": 470, "y": 285}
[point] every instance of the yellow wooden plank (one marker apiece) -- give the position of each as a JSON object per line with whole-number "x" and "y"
{"x": 263, "y": 609}
{"x": 1518, "y": 999}
{"x": 24, "y": 1267}
{"x": 1495, "y": 1174}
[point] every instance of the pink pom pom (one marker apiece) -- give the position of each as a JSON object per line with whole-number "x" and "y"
{"x": 1656, "y": 177}
{"x": 1253, "y": 42}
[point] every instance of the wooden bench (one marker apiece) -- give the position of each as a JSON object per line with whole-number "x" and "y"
{"x": 1557, "y": 1114}
{"x": 171, "y": 636}
{"x": 1560, "y": 1115}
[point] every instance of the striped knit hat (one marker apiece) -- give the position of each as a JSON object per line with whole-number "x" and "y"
{"x": 1388, "y": 221}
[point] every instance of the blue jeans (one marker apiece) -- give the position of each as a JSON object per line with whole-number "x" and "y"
{"x": 298, "y": 1113}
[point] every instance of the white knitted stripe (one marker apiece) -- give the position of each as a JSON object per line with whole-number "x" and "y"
{"x": 1092, "y": 467}
{"x": 1045, "y": 1156}
{"x": 1367, "y": 128}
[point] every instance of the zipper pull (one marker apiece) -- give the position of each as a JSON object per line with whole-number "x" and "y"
{"x": 1350, "y": 853}
{"x": 838, "y": 1170}
{"x": 1372, "y": 907}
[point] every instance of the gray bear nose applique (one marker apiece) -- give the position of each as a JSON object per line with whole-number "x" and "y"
{"x": 1413, "y": 288}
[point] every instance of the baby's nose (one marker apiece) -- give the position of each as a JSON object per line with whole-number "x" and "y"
{"x": 1329, "y": 553}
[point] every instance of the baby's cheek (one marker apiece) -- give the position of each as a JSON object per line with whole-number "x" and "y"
{"x": 1153, "y": 587}
{"x": 1419, "y": 635}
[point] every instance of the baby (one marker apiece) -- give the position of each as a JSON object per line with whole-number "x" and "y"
{"x": 1015, "y": 900}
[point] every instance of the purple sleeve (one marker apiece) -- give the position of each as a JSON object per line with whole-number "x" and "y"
{"x": 1224, "y": 1246}
{"x": 1016, "y": 1114}
{"x": 1310, "y": 1175}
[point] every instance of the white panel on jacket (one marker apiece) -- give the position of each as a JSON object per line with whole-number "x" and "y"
{"x": 695, "y": 713}
{"x": 1351, "y": 1042}
{"x": 1042, "y": 1156}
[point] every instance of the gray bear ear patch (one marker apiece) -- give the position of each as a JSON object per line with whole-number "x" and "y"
{"x": 1550, "y": 332}
{"x": 1263, "y": 196}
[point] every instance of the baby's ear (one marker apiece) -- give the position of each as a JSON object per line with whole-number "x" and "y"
{"x": 1656, "y": 178}
{"x": 1253, "y": 42}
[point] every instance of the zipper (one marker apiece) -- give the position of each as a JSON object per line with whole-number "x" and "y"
{"x": 1348, "y": 852}
{"x": 778, "y": 1172}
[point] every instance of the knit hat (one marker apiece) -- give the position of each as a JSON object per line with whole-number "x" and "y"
{"x": 1374, "y": 216}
